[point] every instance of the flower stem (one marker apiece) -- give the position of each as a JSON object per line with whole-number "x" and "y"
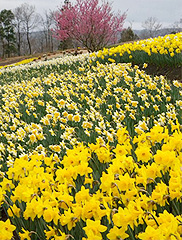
{"x": 131, "y": 233}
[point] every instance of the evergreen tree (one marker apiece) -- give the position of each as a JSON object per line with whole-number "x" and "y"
{"x": 7, "y": 34}
{"x": 128, "y": 35}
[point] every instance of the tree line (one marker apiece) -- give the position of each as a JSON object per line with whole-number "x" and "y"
{"x": 23, "y": 31}
{"x": 87, "y": 23}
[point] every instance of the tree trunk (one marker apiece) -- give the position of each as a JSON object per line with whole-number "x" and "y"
{"x": 8, "y": 49}
{"x": 19, "y": 44}
{"x": 3, "y": 45}
{"x": 29, "y": 45}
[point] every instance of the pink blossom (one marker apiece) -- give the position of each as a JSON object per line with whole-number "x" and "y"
{"x": 92, "y": 24}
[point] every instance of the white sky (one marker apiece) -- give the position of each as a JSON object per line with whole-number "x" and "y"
{"x": 166, "y": 11}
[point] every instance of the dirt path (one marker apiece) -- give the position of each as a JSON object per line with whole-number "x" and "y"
{"x": 42, "y": 56}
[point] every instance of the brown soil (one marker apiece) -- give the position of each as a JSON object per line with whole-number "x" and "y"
{"x": 41, "y": 56}
{"x": 171, "y": 73}
{"x": 11, "y": 60}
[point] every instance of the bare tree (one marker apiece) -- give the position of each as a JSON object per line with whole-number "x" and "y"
{"x": 151, "y": 26}
{"x": 177, "y": 26}
{"x": 48, "y": 24}
{"x": 18, "y": 21}
{"x": 30, "y": 20}
{"x": 34, "y": 32}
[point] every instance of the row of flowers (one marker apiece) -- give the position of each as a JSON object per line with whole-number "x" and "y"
{"x": 160, "y": 50}
{"x": 27, "y": 69}
{"x": 25, "y": 61}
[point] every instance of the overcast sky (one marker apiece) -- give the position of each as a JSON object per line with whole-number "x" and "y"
{"x": 166, "y": 11}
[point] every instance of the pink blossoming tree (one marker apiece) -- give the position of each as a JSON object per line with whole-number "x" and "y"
{"x": 92, "y": 24}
